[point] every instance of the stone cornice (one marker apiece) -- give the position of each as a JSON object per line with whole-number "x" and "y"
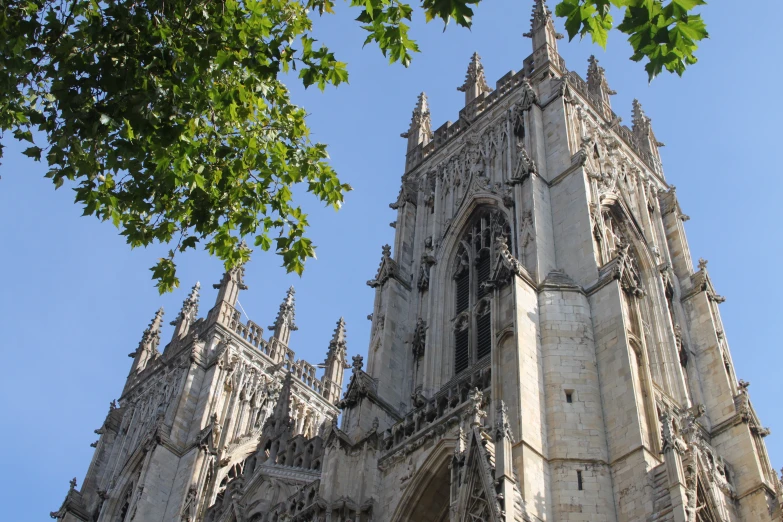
{"x": 286, "y": 473}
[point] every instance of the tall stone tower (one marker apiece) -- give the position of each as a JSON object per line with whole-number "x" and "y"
{"x": 542, "y": 349}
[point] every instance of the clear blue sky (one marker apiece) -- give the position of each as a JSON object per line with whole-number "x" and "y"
{"x": 75, "y": 299}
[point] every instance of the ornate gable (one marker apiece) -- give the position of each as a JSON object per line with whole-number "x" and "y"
{"x": 387, "y": 269}
{"x": 477, "y": 500}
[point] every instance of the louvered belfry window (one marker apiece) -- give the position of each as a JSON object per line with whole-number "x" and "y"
{"x": 472, "y": 319}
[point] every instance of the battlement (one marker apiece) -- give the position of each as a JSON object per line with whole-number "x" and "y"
{"x": 277, "y": 351}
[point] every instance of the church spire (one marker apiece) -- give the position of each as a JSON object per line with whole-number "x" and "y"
{"x": 284, "y": 324}
{"x": 420, "y": 131}
{"x": 336, "y": 363}
{"x": 475, "y": 81}
{"x": 187, "y": 315}
{"x": 148, "y": 346}
{"x": 233, "y": 281}
{"x": 597, "y": 83}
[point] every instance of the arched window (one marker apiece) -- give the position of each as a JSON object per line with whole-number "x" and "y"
{"x": 472, "y": 271}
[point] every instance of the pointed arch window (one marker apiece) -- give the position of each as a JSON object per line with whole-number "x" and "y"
{"x": 472, "y": 270}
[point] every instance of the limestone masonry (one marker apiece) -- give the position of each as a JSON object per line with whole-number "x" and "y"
{"x": 542, "y": 349}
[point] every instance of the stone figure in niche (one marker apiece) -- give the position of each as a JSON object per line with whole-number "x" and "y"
{"x": 189, "y": 508}
{"x": 419, "y": 338}
{"x": 463, "y": 263}
{"x": 409, "y": 472}
{"x": 476, "y": 163}
{"x": 217, "y": 429}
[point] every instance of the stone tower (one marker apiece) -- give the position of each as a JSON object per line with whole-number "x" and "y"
{"x": 542, "y": 349}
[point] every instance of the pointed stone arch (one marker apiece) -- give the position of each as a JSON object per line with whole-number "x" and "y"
{"x": 439, "y": 364}
{"x": 427, "y": 496}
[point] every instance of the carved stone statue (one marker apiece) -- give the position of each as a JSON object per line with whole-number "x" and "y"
{"x": 419, "y": 338}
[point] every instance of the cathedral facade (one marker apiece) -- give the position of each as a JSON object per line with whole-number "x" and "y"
{"x": 542, "y": 349}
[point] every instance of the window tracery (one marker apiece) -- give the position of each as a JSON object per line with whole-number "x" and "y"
{"x": 471, "y": 272}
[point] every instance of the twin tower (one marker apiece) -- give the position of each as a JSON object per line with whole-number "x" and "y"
{"x": 542, "y": 349}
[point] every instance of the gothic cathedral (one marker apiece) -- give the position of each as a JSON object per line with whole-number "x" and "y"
{"x": 542, "y": 349}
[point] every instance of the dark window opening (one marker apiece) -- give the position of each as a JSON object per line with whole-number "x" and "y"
{"x": 569, "y": 396}
{"x": 461, "y": 351}
{"x": 483, "y": 336}
{"x": 482, "y": 273}
{"x": 519, "y": 130}
{"x": 463, "y": 291}
{"x": 579, "y": 480}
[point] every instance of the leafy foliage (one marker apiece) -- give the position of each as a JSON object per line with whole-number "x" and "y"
{"x": 666, "y": 34}
{"x": 170, "y": 118}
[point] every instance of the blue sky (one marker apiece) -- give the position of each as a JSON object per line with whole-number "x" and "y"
{"x": 75, "y": 299}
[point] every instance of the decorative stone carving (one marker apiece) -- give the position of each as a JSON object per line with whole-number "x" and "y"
{"x": 427, "y": 260}
{"x": 502, "y": 424}
{"x": 628, "y": 272}
{"x": 419, "y": 338}
{"x": 524, "y": 166}
{"x": 358, "y": 362}
{"x": 188, "y": 513}
{"x": 475, "y": 83}
{"x": 475, "y": 414}
{"x": 387, "y": 269}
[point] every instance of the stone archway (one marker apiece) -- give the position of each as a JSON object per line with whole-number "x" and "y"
{"x": 427, "y": 497}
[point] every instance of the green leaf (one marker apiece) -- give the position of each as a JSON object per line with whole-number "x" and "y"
{"x": 33, "y": 152}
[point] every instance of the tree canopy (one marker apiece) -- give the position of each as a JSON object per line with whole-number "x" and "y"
{"x": 170, "y": 119}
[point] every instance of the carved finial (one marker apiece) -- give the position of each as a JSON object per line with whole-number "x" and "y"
{"x": 386, "y": 251}
{"x": 189, "y": 309}
{"x": 542, "y": 28}
{"x": 72, "y": 483}
{"x": 640, "y": 120}
{"x": 375, "y": 424}
{"x": 233, "y": 280}
{"x": 420, "y": 130}
{"x": 337, "y": 350}
{"x": 284, "y": 322}
{"x": 642, "y": 130}
{"x": 597, "y": 83}
{"x": 743, "y": 385}
{"x": 338, "y": 339}
{"x": 703, "y": 264}
{"x": 540, "y": 17}
{"x": 475, "y": 81}
{"x": 502, "y": 424}
{"x": 187, "y": 315}
{"x": 148, "y": 346}
{"x": 358, "y": 362}
{"x": 335, "y": 364}
{"x": 150, "y": 339}
{"x": 151, "y": 335}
